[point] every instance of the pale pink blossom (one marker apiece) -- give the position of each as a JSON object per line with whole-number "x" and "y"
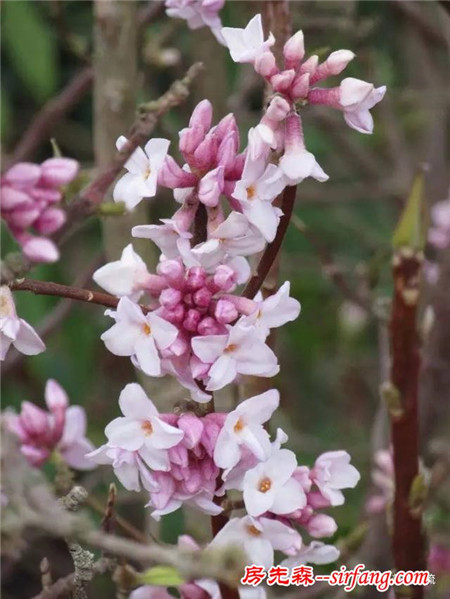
{"x": 139, "y": 335}
{"x": 241, "y": 351}
{"x": 259, "y": 538}
{"x": 270, "y": 487}
{"x": 255, "y": 192}
{"x": 14, "y": 330}
{"x": 246, "y": 45}
{"x": 165, "y": 236}
{"x": 143, "y": 167}
{"x": 243, "y": 428}
{"x": 439, "y": 234}
{"x": 332, "y": 472}
{"x": 275, "y": 311}
{"x": 141, "y": 429}
{"x": 125, "y": 277}
{"x": 198, "y": 13}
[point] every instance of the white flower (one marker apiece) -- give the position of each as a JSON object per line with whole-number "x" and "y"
{"x": 269, "y": 486}
{"x": 356, "y": 99}
{"x": 239, "y": 352}
{"x": 256, "y": 190}
{"x": 243, "y": 427}
{"x": 165, "y": 236}
{"x": 246, "y": 45}
{"x": 332, "y": 472}
{"x": 259, "y": 538}
{"x": 128, "y": 467}
{"x": 14, "y": 330}
{"x": 124, "y": 277}
{"x": 273, "y": 312}
{"x": 138, "y": 335}
{"x": 140, "y": 429}
{"x": 143, "y": 168}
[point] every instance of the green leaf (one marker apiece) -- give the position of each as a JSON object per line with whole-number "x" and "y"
{"x": 161, "y": 576}
{"x": 31, "y": 47}
{"x": 412, "y": 227}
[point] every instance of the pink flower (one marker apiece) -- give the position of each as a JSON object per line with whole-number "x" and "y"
{"x": 241, "y": 351}
{"x": 332, "y": 472}
{"x": 62, "y": 429}
{"x": 143, "y": 168}
{"x": 129, "y": 467}
{"x": 165, "y": 236}
{"x": 258, "y": 537}
{"x": 198, "y": 13}
{"x": 14, "y": 330}
{"x": 270, "y": 487}
{"x": 246, "y": 45}
{"x": 243, "y": 428}
{"x": 138, "y": 335}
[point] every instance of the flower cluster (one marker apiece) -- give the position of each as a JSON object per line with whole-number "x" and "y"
{"x": 14, "y": 330}
{"x": 28, "y": 198}
{"x": 61, "y": 430}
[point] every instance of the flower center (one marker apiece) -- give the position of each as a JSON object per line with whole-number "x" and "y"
{"x": 265, "y": 485}
{"x": 252, "y": 530}
{"x": 146, "y": 328}
{"x": 230, "y": 348}
{"x": 147, "y": 173}
{"x": 251, "y": 192}
{"x": 147, "y": 427}
{"x": 238, "y": 426}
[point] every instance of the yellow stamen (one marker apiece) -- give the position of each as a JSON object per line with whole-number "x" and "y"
{"x": 265, "y": 485}
{"x": 146, "y": 328}
{"x": 147, "y": 427}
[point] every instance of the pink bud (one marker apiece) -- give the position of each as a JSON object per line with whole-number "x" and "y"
{"x": 192, "y": 426}
{"x": 178, "y": 455}
{"x": 39, "y": 249}
{"x": 33, "y": 419}
{"x": 278, "y": 109}
{"x": 226, "y": 153}
{"x": 321, "y": 525}
{"x": 225, "y": 311}
{"x": 206, "y": 153}
{"x": 23, "y": 216}
{"x": 46, "y": 194}
{"x": 282, "y": 81}
{"x": 11, "y": 198}
{"x": 192, "y": 319}
{"x": 334, "y": 64}
{"x": 172, "y": 270}
{"x": 202, "y": 115}
{"x": 59, "y": 171}
{"x": 294, "y": 50}
{"x": 213, "y": 424}
{"x": 55, "y": 396}
{"x": 225, "y": 126}
{"x": 224, "y": 277}
{"x": 266, "y": 65}
{"x": 202, "y": 297}
{"x": 192, "y": 480}
{"x": 310, "y": 65}
{"x": 209, "y": 326}
{"x": 175, "y": 316}
{"x": 317, "y": 501}
{"x": 50, "y": 221}
{"x": 190, "y": 139}
{"x": 196, "y": 278}
{"x": 35, "y": 456}
{"x": 300, "y": 86}
{"x": 190, "y": 590}
{"x": 23, "y": 174}
{"x": 172, "y": 175}
{"x": 211, "y": 186}
{"x": 170, "y": 297}
{"x": 178, "y": 348}
{"x": 301, "y": 475}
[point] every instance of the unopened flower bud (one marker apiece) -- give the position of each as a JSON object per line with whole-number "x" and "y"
{"x": 192, "y": 319}
{"x": 294, "y": 50}
{"x": 23, "y": 174}
{"x": 192, "y": 426}
{"x": 206, "y": 153}
{"x": 300, "y": 86}
{"x": 33, "y": 419}
{"x": 190, "y": 139}
{"x": 172, "y": 270}
{"x": 282, "y": 81}
{"x": 23, "y": 216}
{"x": 321, "y": 525}
{"x": 11, "y": 198}
{"x": 224, "y": 277}
{"x": 170, "y": 297}
{"x": 59, "y": 171}
{"x": 225, "y": 311}
{"x": 202, "y": 115}
{"x": 50, "y": 221}
{"x": 278, "y": 109}
{"x": 39, "y": 249}
{"x": 208, "y": 326}
{"x": 202, "y": 297}
{"x": 211, "y": 186}
{"x": 266, "y": 65}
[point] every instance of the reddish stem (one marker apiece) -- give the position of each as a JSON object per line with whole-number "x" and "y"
{"x": 407, "y": 541}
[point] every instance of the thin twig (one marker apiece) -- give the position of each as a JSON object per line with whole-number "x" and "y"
{"x": 272, "y": 249}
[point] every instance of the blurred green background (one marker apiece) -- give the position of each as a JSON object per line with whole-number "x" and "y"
{"x": 333, "y": 357}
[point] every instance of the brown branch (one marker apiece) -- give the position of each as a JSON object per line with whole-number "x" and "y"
{"x": 73, "y": 293}
{"x": 272, "y": 249}
{"x": 407, "y": 541}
